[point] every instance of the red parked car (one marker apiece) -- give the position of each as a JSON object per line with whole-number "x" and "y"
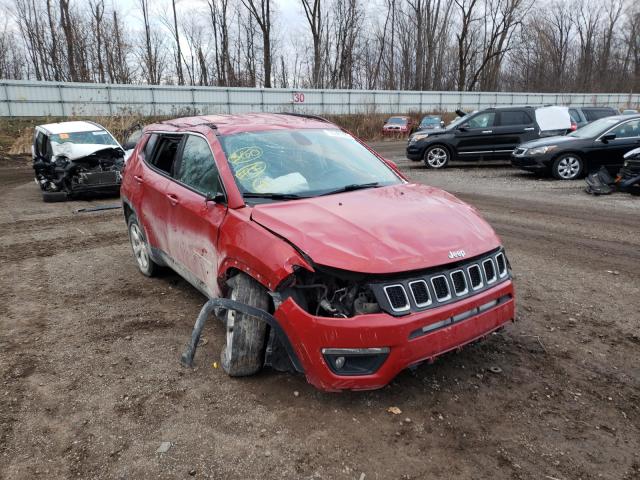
{"x": 398, "y": 126}
{"x": 363, "y": 272}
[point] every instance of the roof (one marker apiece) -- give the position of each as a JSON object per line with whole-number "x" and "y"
{"x": 229, "y": 124}
{"x": 70, "y": 127}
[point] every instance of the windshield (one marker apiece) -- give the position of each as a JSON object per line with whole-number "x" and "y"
{"x": 397, "y": 120}
{"x": 302, "y": 162}
{"x": 458, "y": 121}
{"x": 98, "y": 137}
{"x": 430, "y": 121}
{"x": 594, "y": 129}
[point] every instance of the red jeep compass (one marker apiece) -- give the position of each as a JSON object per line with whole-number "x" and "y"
{"x": 360, "y": 272}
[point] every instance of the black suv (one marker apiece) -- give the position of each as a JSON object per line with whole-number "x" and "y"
{"x": 583, "y": 115}
{"x": 490, "y": 134}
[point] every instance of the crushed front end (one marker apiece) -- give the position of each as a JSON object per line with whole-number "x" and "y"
{"x": 99, "y": 171}
{"x": 358, "y": 331}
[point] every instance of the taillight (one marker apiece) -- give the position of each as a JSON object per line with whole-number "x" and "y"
{"x": 574, "y": 126}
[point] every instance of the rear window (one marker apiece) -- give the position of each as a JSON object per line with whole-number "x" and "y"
{"x": 397, "y": 120}
{"x": 514, "y": 117}
{"x": 575, "y": 116}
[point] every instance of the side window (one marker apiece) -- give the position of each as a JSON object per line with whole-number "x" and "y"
{"x": 482, "y": 120}
{"x": 597, "y": 113}
{"x": 197, "y": 168}
{"x": 149, "y": 146}
{"x": 628, "y": 129}
{"x": 514, "y": 117}
{"x": 165, "y": 153}
{"x": 40, "y": 144}
{"x": 575, "y": 116}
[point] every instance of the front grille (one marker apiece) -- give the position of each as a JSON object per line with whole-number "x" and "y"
{"x": 459, "y": 282}
{"x": 397, "y": 297}
{"x": 502, "y": 265}
{"x": 441, "y": 287}
{"x": 489, "y": 271}
{"x": 476, "y": 277}
{"x": 420, "y": 292}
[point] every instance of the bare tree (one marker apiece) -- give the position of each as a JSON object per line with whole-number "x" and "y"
{"x": 261, "y": 12}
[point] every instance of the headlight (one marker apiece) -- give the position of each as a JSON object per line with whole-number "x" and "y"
{"x": 418, "y": 136}
{"x": 541, "y": 150}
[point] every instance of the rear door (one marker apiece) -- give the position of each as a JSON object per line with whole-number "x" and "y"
{"x": 195, "y": 220}
{"x": 513, "y": 128}
{"x": 152, "y": 180}
{"x": 611, "y": 154}
{"x": 474, "y": 138}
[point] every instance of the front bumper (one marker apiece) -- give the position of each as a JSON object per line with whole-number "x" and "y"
{"x": 309, "y": 335}
{"x": 538, "y": 163}
{"x": 415, "y": 151}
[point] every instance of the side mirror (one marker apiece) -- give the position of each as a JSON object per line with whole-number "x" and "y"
{"x": 608, "y": 137}
{"x": 464, "y": 127}
{"x": 132, "y": 140}
{"x": 441, "y": 123}
{"x": 215, "y": 198}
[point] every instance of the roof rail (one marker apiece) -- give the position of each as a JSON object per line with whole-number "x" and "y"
{"x": 304, "y": 115}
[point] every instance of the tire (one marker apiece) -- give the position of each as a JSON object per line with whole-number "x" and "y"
{"x": 243, "y": 353}
{"x": 54, "y": 197}
{"x": 568, "y": 166}
{"x": 436, "y": 157}
{"x": 140, "y": 248}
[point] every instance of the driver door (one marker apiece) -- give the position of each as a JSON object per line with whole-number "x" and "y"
{"x": 611, "y": 153}
{"x": 194, "y": 220}
{"x": 474, "y": 138}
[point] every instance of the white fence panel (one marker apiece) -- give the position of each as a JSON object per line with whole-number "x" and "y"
{"x": 57, "y": 99}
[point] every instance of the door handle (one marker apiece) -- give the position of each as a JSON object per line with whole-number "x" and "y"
{"x": 138, "y": 178}
{"x": 487, "y": 131}
{"x": 173, "y": 200}
{"x": 529, "y": 129}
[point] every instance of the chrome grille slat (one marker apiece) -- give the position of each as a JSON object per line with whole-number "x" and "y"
{"x": 475, "y": 276}
{"x": 502, "y": 265}
{"x": 420, "y": 292}
{"x": 441, "y": 288}
{"x": 397, "y": 297}
{"x": 459, "y": 283}
{"x": 489, "y": 271}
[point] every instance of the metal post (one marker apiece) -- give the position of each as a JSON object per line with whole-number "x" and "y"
{"x": 109, "y": 100}
{"x": 6, "y": 94}
{"x": 61, "y": 100}
{"x": 193, "y": 100}
{"x": 349, "y": 103}
{"x": 228, "y": 102}
{"x": 322, "y": 102}
{"x": 153, "y": 100}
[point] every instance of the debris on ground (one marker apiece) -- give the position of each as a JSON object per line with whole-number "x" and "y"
{"x": 394, "y": 410}
{"x": 164, "y": 447}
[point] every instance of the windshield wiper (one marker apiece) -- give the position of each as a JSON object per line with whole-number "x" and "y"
{"x": 353, "y": 186}
{"x": 273, "y": 196}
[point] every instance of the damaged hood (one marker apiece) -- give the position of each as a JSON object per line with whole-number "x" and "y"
{"x": 74, "y": 151}
{"x": 380, "y": 230}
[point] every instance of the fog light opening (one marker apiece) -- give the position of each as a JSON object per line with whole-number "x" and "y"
{"x": 355, "y": 361}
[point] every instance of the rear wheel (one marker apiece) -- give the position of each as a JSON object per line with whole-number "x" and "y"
{"x": 243, "y": 353}
{"x": 567, "y": 167}
{"x": 436, "y": 156}
{"x": 141, "y": 248}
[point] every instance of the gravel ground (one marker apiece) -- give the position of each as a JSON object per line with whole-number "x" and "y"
{"x": 92, "y": 385}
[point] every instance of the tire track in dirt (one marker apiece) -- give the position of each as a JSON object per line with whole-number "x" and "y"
{"x": 47, "y": 248}
{"x": 26, "y": 226}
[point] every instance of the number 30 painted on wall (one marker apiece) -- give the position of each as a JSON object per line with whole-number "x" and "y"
{"x": 298, "y": 97}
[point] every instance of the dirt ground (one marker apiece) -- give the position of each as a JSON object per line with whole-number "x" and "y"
{"x": 92, "y": 384}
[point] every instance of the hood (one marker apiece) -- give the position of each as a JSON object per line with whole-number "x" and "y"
{"x": 380, "y": 230}
{"x": 546, "y": 141}
{"x": 74, "y": 151}
{"x": 431, "y": 131}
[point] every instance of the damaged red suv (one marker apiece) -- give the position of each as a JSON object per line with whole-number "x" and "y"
{"x": 358, "y": 273}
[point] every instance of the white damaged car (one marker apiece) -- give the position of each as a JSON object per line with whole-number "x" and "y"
{"x": 71, "y": 159}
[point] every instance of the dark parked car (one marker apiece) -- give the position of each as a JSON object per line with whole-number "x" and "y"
{"x": 431, "y": 122}
{"x": 490, "y": 134}
{"x": 601, "y": 143}
{"x": 583, "y": 115}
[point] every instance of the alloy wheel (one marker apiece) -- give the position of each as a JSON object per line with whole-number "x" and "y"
{"x": 139, "y": 246}
{"x": 437, "y": 157}
{"x": 569, "y": 167}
